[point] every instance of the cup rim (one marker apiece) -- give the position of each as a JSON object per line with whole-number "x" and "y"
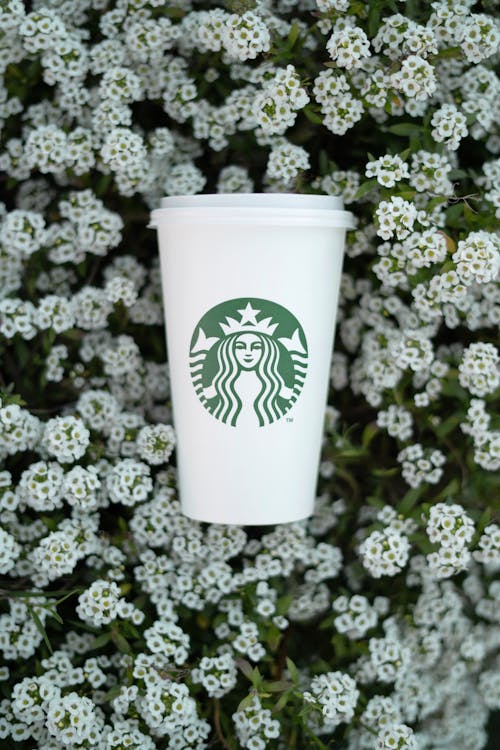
{"x": 272, "y": 209}
{"x": 255, "y": 200}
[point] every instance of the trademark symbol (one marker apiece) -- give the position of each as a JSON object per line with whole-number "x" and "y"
{"x": 289, "y": 419}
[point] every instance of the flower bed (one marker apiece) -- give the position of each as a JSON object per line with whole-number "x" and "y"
{"x": 375, "y": 623}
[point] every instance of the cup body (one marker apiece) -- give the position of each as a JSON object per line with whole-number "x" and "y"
{"x": 250, "y": 285}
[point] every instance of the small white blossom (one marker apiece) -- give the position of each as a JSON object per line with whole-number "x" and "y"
{"x": 336, "y": 694}
{"x": 9, "y": 551}
{"x": 397, "y": 736}
{"x": 66, "y": 438}
{"x": 385, "y": 552}
{"x": 286, "y": 161}
{"x": 477, "y": 258}
{"x": 74, "y": 720}
{"x": 395, "y": 217}
{"x": 348, "y": 46}
{"x": 245, "y": 36}
{"x": 388, "y": 170}
{"x": 99, "y": 604}
{"x": 449, "y": 525}
{"x": 449, "y": 126}
{"x": 479, "y": 370}
{"x": 155, "y": 443}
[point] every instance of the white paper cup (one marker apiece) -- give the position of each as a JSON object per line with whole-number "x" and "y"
{"x": 250, "y": 285}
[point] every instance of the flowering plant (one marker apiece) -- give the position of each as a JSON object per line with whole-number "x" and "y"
{"x": 375, "y": 623}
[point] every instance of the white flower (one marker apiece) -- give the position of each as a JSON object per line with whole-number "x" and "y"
{"x": 99, "y": 604}
{"x": 245, "y": 36}
{"x": 477, "y": 257}
{"x": 419, "y": 465}
{"x": 19, "y": 430}
{"x": 40, "y": 486}
{"x": 395, "y": 217}
{"x": 348, "y": 46}
{"x": 73, "y": 720}
{"x": 80, "y": 487}
{"x": 336, "y": 694}
{"x": 489, "y": 546}
{"x": 22, "y": 233}
{"x": 449, "y": 525}
{"x": 121, "y": 357}
{"x": 389, "y": 657}
{"x": 66, "y": 438}
{"x": 55, "y": 312}
{"x": 286, "y": 161}
{"x": 449, "y": 126}
{"x": 46, "y": 149}
{"x": 388, "y": 170}
{"x": 448, "y": 561}
{"x": 341, "y": 110}
{"x": 397, "y": 420}
{"x": 385, "y": 552}
{"x": 275, "y": 106}
{"x": 416, "y": 78}
{"x": 120, "y": 84}
{"x": 479, "y": 370}
{"x": 184, "y": 179}
{"x": 356, "y": 616}
{"x": 129, "y": 482}
{"x": 155, "y": 443}
{"x": 9, "y": 551}
{"x": 479, "y": 37}
{"x": 123, "y": 149}
{"x": 254, "y": 725}
{"x": 217, "y": 674}
{"x": 167, "y": 638}
{"x": 396, "y": 736}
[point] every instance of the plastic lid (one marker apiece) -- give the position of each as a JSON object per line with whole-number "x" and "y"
{"x": 255, "y": 200}
{"x": 278, "y": 209}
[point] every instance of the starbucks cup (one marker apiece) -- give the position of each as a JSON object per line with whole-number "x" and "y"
{"x": 250, "y": 285}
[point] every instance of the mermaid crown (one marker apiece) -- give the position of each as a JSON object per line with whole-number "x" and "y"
{"x": 248, "y": 323}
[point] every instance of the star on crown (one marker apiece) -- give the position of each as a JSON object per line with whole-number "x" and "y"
{"x": 248, "y": 323}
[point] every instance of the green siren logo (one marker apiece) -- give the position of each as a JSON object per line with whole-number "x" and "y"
{"x": 248, "y": 361}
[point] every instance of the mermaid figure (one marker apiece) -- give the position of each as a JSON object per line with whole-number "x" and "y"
{"x": 241, "y": 353}
{"x": 247, "y": 385}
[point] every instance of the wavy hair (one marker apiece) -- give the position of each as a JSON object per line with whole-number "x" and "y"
{"x": 266, "y": 404}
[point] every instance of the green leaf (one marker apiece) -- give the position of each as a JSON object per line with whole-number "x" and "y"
{"x": 278, "y": 686}
{"x": 481, "y": 525}
{"x": 406, "y": 195}
{"x": 100, "y": 641}
{"x": 246, "y": 702}
{"x": 40, "y": 627}
{"x": 365, "y": 188}
{"x": 386, "y": 472}
{"x": 280, "y": 705}
{"x": 245, "y": 667}
{"x": 113, "y": 692}
{"x": 409, "y": 500}
{"x": 457, "y": 174}
{"x": 312, "y": 116}
{"x": 121, "y": 642}
{"x": 423, "y": 543}
{"x": 369, "y": 433}
{"x": 283, "y": 604}
{"x": 373, "y": 19}
{"x": 67, "y": 595}
{"x": 293, "y": 35}
{"x": 405, "y": 128}
{"x": 292, "y": 669}
{"x": 55, "y": 614}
